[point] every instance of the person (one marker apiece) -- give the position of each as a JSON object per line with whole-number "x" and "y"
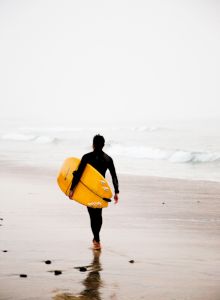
{"x": 101, "y": 162}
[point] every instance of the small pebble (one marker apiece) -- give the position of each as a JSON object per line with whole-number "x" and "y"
{"x": 47, "y": 262}
{"x": 131, "y": 261}
{"x": 163, "y": 203}
{"x": 4, "y": 250}
{"x": 82, "y": 269}
{"x": 1, "y": 219}
{"x": 57, "y": 272}
{"x": 23, "y": 275}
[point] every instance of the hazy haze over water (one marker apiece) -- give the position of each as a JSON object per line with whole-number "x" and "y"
{"x": 109, "y": 60}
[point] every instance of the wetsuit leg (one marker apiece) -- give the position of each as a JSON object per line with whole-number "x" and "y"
{"x": 95, "y": 221}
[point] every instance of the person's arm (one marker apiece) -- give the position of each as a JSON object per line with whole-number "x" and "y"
{"x": 77, "y": 175}
{"x": 114, "y": 180}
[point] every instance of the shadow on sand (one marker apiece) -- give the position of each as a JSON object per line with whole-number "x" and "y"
{"x": 92, "y": 283}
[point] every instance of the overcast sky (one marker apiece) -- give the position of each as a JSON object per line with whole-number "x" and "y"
{"x": 113, "y": 60}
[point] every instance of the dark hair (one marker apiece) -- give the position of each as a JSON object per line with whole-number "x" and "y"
{"x": 98, "y": 142}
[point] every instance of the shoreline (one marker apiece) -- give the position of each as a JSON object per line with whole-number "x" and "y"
{"x": 25, "y": 170}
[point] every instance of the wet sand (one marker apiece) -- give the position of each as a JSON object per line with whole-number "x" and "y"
{"x": 161, "y": 241}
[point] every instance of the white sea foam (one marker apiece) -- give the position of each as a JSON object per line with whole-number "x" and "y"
{"x": 45, "y": 140}
{"x": 147, "y": 149}
{"x": 175, "y": 156}
{"x": 18, "y": 137}
{"x": 141, "y": 151}
{"x": 51, "y": 129}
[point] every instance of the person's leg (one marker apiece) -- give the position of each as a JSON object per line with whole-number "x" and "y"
{"x": 96, "y": 221}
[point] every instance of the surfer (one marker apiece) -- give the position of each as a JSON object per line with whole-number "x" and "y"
{"x": 101, "y": 162}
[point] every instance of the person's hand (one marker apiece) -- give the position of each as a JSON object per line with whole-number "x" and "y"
{"x": 71, "y": 194}
{"x": 116, "y": 198}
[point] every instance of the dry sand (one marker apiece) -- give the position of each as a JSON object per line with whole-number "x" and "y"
{"x": 170, "y": 228}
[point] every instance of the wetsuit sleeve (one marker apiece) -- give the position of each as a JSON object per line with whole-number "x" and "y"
{"x": 114, "y": 176}
{"x": 78, "y": 173}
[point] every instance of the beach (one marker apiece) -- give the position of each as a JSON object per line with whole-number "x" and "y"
{"x": 160, "y": 242}
{"x": 145, "y": 76}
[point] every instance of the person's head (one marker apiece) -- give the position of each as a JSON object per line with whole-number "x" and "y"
{"x": 98, "y": 142}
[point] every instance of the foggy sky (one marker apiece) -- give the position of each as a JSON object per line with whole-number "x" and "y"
{"x": 112, "y": 60}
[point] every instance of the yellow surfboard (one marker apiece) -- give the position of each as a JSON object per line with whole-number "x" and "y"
{"x": 92, "y": 188}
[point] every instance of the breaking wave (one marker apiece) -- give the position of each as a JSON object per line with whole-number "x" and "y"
{"x": 175, "y": 156}
{"x": 29, "y": 137}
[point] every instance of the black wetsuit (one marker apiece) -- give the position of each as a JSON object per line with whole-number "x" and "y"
{"x": 101, "y": 162}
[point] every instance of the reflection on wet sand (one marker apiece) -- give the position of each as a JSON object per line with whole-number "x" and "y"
{"x": 92, "y": 283}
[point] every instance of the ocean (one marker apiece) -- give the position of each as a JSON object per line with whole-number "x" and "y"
{"x": 174, "y": 149}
